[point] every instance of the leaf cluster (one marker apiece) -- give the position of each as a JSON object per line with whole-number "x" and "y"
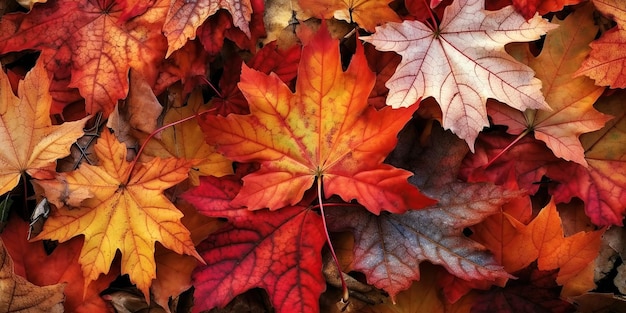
{"x": 311, "y": 156}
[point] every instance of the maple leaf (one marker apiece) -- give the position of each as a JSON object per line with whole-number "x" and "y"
{"x": 32, "y": 143}
{"x": 462, "y": 62}
{"x": 186, "y": 140}
{"x": 282, "y": 62}
{"x": 601, "y": 185}
{"x": 542, "y": 240}
{"x": 87, "y": 35}
{"x": 389, "y": 247}
{"x": 118, "y": 212}
{"x": 605, "y": 63}
{"x": 366, "y": 13}
{"x": 496, "y": 232}
{"x": 325, "y": 129}
{"x": 277, "y": 251}
{"x": 61, "y": 266}
{"x": 571, "y": 99}
{"x": 18, "y": 295}
{"x": 605, "y": 150}
{"x": 184, "y": 18}
{"x": 212, "y": 33}
{"x": 219, "y": 26}
{"x": 527, "y": 162}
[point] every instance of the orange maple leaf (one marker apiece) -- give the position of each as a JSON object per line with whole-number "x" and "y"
{"x": 570, "y": 98}
{"x": 90, "y": 36}
{"x": 31, "y": 143}
{"x": 606, "y": 63}
{"x": 326, "y": 129}
{"x": 366, "y": 13}
{"x": 543, "y": 240}
{"x": 119, "y": 211}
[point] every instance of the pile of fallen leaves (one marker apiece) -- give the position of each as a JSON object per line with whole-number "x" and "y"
{"x": 312, "y": 156}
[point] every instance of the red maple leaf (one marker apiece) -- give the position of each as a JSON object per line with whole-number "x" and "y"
{"x": 277, "y": 251}
{"x": 60, "y": 266}
{"x": 88, "y": 38}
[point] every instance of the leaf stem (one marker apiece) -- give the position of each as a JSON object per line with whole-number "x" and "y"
{"x": 158, "y": 130}
{"x": 519, "y": 137}
{"x": 432, "y": 25}
{"x": 344, "y": 287}
{"x": 219, "y": 94}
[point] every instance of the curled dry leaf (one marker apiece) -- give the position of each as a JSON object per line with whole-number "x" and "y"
{"x": 602, "y": 185}
{"x": 137, "y": 114}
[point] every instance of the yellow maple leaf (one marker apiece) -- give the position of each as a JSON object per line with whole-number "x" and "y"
{"x": 119, "y": 210}
{"x": 366, "y": 13}
{"x": 30, "y": 143}
{"x": 186, "y": 140}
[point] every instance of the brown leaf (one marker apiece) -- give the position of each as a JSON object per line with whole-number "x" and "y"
{"x": 19, "y": 295}
{"x": 137, "y": 114}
